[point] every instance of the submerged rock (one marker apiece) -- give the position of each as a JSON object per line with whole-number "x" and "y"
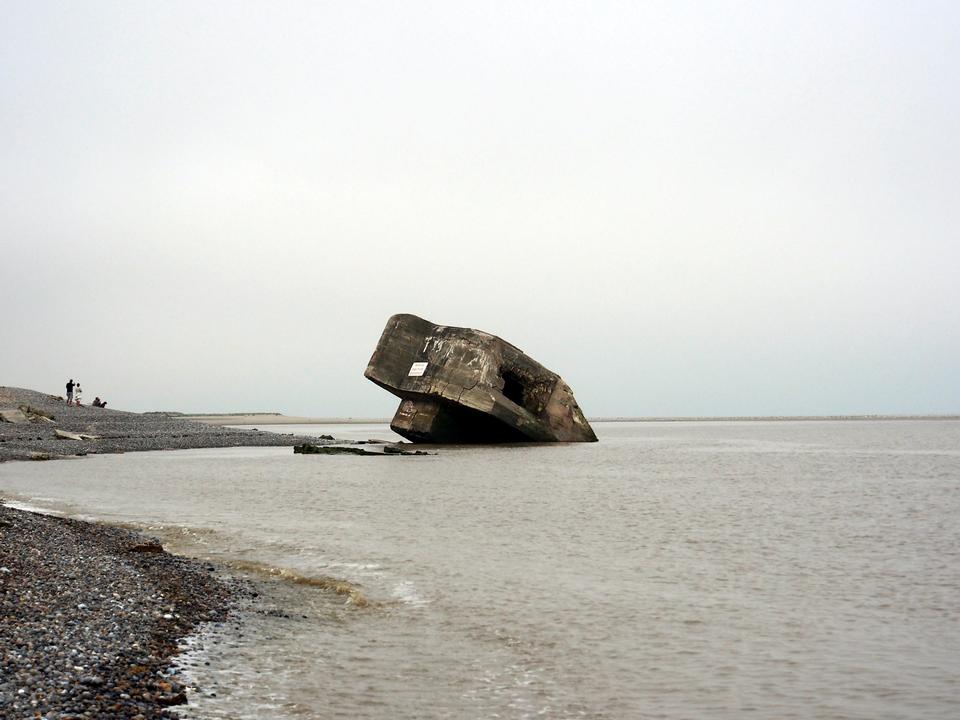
{"x": 460, "y": 385}
{"x": 309, "y": 449}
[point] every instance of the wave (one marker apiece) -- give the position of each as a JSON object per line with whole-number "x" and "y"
{"x": 324, "y": 582}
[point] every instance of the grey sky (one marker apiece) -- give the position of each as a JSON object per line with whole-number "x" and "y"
{"x": 683, "y": 208}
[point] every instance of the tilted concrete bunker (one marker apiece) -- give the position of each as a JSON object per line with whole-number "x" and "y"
{"x": 459, "y": 385}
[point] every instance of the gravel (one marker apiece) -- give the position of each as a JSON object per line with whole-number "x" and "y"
{"x": 116, "y": 431}
{"x": 91, "y": 617}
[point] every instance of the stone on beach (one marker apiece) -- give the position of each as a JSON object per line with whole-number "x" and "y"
{"x": 15, "y": 416}
{"x": 64, "y": 435}
{"x": 87, "y": 627}
{"x": 25, "y": 414}
{"x": 460, "y": 385}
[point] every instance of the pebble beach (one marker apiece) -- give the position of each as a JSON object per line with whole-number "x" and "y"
{"x": 92, "y": 616}
{"x": 106, "y": 430}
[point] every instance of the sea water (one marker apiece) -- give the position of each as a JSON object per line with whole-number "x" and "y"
{"x": 805, "y": 569}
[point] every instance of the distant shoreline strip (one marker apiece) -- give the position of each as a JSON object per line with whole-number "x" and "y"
{"x": 279, "y": 419}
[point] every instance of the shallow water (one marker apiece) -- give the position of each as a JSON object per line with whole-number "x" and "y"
{"x": 673, "y": 570}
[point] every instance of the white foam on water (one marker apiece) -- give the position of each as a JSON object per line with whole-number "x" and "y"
{"x": 354, "y": 565}
{"x": 30, "y": 507}
{"x": 406, "y": 592}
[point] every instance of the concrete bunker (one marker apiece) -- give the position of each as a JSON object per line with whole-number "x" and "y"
{"x": 459, "y": 385}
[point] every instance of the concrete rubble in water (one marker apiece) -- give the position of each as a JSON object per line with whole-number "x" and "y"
{"x": 460, "y": 385}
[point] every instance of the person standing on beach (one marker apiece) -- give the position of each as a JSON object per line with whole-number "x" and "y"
{"x": 77, "y": 392}
{"x": 70, "y": 391}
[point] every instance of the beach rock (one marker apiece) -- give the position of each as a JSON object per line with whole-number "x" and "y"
{"x": 14, "y": 415}
{"x": 460, "y": 385}
{"x": 309, "y": 449}
{"x": 168, "y": 699}
{"x": 35, "y": 415}
{"x": 64, "y": 435}
{"x": 147, "y": 546}
{"x": 397, "y": 450}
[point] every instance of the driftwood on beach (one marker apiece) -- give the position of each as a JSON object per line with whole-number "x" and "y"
{"x": 460, "y": 385}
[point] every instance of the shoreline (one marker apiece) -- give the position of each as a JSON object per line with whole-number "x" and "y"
{"x": 251, "y": 419}
{"x": 773, "y": 418}
{"x": 227, "y": 419}
{"x": 92, "y": 616}
{"x": 45, "y": 428}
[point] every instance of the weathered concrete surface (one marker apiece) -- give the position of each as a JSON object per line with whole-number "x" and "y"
{"x": 387, "y": 451}
{"x": 460, "y": 385}
{"x": 13, "y": 415}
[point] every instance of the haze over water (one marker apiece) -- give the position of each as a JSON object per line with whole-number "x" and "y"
{"x": 673, "y": 570}
{"x": 683, "y": 208}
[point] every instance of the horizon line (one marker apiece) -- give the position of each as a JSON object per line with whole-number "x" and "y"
{"x": 276, "y": 418}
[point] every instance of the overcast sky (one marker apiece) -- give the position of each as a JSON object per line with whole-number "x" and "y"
{"x": 683, "y": 208}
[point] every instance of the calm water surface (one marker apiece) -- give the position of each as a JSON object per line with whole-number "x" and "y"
{"x": 673, "y": 570}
